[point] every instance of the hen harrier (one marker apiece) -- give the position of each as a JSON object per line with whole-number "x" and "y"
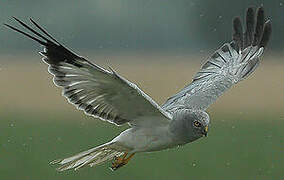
{"x": 106, "y": 95}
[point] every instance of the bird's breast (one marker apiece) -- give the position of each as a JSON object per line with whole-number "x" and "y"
{"x": 146, "y": 139}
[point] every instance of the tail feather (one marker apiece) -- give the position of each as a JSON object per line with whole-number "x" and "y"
{"x": 90, "y": 157}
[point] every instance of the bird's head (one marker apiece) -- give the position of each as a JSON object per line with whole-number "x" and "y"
{"x": 200, "y": 124}
{"x": 189, "y": 126}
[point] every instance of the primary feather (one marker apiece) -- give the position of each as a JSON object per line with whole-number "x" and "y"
{"x": 230, "y": 64}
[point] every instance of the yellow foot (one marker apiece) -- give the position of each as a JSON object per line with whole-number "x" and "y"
{"x": 120, "y": 161}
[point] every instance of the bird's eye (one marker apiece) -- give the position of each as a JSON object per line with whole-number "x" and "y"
{"x": 197, "y": 124}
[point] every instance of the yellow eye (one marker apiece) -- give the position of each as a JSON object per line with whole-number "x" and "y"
{"x": 197, "y": 124}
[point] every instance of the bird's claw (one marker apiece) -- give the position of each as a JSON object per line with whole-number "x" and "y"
{"x": 118, "y": 162}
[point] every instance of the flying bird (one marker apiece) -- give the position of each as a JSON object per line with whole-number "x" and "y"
{"x": 104, "y": 94}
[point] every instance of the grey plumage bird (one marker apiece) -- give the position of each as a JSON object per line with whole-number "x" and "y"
{"x": 106, "y": 95}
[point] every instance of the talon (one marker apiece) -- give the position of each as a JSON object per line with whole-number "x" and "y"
{"x": 116, "y": 158}
{"x": 116, "y": 166}
{"x": 120, "y": 161}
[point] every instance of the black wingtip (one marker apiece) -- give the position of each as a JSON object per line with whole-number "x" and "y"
{"x": 249, "y": 26}
{"x": 26, "y": 34}
{"x": 257, "y": 31}
{"x": 266, "y": 34}
{"x": 260, "y": 10}
{"x": 237, "y": 22}
{"x": 250, "y": 11}
{"x": 260, "y": 13}
{"x": 31, "y": 30}
{"x": 43, "y": 31}
{"x": 259, "y": 26}
{"x": 238, "y": 31}
{"x": 19, "y": 21}
{"x": 250, "y": 16}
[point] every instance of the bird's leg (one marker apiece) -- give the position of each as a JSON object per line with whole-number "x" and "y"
{"x": 121, "y": 161}
{"x": 118, "y": 162}
{"x": 129, "y": 157}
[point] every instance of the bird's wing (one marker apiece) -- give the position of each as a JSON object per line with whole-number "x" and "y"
{"x": 230, "y": 64}
{"x": 98, "y": 92}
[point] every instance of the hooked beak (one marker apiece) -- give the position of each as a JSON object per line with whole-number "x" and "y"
{"x": 205, "y": 131}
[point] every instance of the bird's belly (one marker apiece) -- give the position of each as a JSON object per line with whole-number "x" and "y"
{"x": 145, "y": 140}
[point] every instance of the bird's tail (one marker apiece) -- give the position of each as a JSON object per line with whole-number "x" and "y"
{"x": 90, "y": 157}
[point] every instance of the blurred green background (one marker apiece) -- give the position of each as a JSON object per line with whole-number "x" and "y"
{"x": 158, "y": 45}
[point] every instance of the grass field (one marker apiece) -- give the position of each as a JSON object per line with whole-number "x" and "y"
{"x": 237, "y": 147}
{"x": 246, "y": 137}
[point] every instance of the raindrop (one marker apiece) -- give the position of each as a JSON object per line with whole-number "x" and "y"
{"x": 233, "y": 127}
{"x": 269, "y": 136}
{"x": 220, "y": 17}
{"x": 193, "y": 164}
{"x": 12, "y": 125}
{"x": 228, "y": 164}
{"x": 201, "y": 15}
{"x": 272, "y": 166}
{"x": 281, "y": 4}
